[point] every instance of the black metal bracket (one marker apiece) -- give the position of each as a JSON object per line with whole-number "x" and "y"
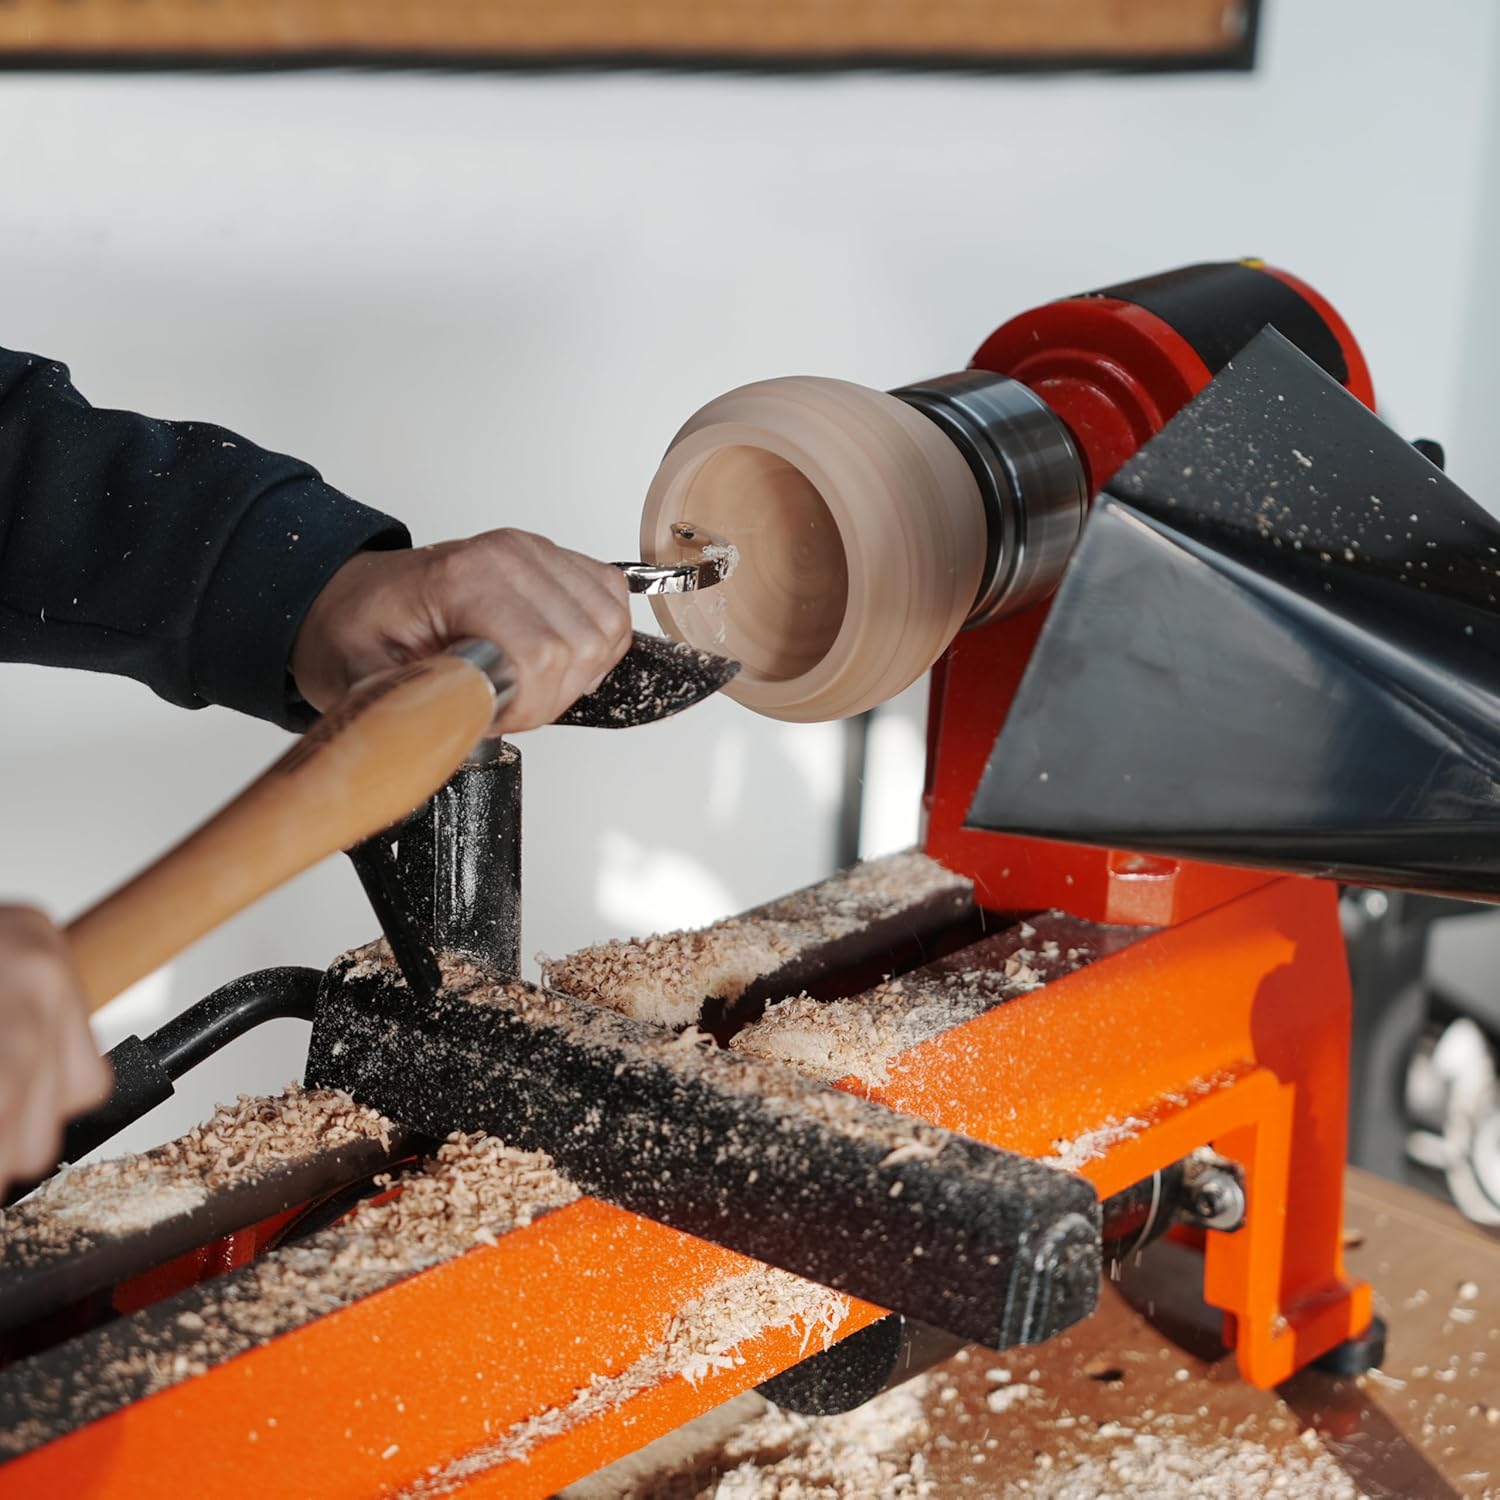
{"x": 145, "y": 1071}
{"x": 448, "y": 878}
{"x": 1279, "y": 634}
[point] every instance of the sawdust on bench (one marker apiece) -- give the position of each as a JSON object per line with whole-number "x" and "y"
{"x": 874, "y": 1450}
{"x": 703, "y": 1337}
{"x": 666, "y": 978}
{"x": 909, "y": 1442}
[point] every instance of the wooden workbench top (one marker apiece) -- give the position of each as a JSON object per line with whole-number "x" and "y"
{"x": 1138, "y": 1401}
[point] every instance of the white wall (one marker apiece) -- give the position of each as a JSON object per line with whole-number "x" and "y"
{"x": 475, "y": 300}
{"x": 1476, "y": 430}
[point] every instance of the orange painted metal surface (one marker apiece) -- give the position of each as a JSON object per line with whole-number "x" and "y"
{"x": 366, "y": 1401}
{"x": 217, "y": 1258}
{"x": 1230, "y": 1030}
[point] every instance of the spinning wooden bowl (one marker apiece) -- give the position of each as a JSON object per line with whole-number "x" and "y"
{"x": 860, "y": 536}
{"x": 866, "y": 529}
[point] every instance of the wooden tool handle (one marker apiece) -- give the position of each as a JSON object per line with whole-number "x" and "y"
{"x": 387, "y": 746}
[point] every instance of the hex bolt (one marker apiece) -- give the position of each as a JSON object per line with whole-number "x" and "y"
{"x": 1218, "y": 1200}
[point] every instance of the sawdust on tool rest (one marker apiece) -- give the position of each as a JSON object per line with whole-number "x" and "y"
{"x": 702, "y": 1337}
{"x": 773, "y": 1085}
{"x": 665, "y": 978}
{"x": 239, "y": 1143}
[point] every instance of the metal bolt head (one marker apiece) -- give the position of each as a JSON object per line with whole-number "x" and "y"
{"x": 1218, "y": 1200}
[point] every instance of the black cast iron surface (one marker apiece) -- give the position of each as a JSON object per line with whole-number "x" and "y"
{"x": 1277, "y": 644}
{"x": 746, "y": 1153}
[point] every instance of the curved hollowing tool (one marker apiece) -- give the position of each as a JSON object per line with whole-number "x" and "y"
{"x": 1277, "y": 644}
{"x": 672, "y": 578}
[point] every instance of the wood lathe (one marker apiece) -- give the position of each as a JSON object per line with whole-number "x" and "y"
{"x": 925, "y": 1103}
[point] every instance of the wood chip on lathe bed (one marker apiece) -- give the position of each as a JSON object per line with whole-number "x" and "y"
{"x": 666, "y": 978}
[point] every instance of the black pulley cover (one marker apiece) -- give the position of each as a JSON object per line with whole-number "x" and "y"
{"x": 1277, "y": 644}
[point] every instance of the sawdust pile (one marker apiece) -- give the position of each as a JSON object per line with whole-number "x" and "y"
{"x": 862, "y": 1037}
{"x": 1167, "y": 1454}
{"x": 470, "y": 1192}
{"x": 665, "y": 979}
{"x": 1071, "y": 1155}
{"x": 702, "y": 1338}
{"x": 939, "y": 1435}
{"x": 473, "y": 1190}
{"x": 242, "y": 1142}
{"x": 875, "y": 1450}
{"x": 1169, "y": 1466}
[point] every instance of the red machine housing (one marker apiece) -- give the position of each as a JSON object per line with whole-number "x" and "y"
{"x": 1258, "y": 1021}
{"x": 1116, "y": 367}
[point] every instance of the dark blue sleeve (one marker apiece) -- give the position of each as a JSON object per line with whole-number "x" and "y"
{"x": 176, "y": 553}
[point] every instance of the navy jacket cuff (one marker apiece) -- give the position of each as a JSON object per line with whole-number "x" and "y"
{"x": 285, "y": 548}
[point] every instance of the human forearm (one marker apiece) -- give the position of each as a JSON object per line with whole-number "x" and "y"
{"x": 177, "y": 553}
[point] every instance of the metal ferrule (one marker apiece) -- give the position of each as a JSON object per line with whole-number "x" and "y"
{"x": 1031, "y": 480}
{"x": 493, "y": 662}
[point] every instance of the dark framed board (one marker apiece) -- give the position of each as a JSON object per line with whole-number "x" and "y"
{"x": 811, "y": 34}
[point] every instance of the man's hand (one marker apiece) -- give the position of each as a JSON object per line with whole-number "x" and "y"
{"x": 562, "y": 618}
{"x": 50, "y": 1069}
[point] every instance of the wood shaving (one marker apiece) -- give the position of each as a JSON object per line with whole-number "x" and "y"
{"x": 726, "y": 554}
{"x": 1170, "y": 1466}
{"x": 665, "y": 979}
{"x": 1069, "y": 1156}
{"x": 872, "y": 1451}
{"x": 702, "y": 1338}
{"x": 913, "y": 1440}
{"x": 862, "y": 1036}
{"x": 241, "y": 1142}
